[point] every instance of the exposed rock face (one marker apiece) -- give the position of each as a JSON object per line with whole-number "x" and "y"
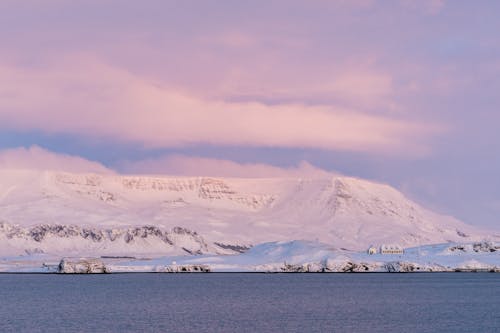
{"x": 236, "y": 248}
{"x": 97, "y": 266}
{"x": 39, "y": 232}
{"x": 400, "y": 267}
{"x": 325, "y": 267}
{"x": 81, "y": 266}
{"x": 48, "y": 237}
{"x": 90, "y": 186}
{"x": 352, "y": 267}
{"x": 486, "y": 247}
{"x": 183, "y": 269}
{"x": 304, "y": 268}
{"x": 477, "y": 247}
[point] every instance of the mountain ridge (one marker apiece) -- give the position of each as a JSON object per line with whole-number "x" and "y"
{"x": 343, "y": 211}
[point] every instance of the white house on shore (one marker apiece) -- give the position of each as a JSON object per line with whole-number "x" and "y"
{"x": 386, "y": 249}
{"x": 391, "y": 249}
{"x": 372, "y": 250}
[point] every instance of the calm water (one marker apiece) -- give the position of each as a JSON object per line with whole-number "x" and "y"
{"x": 466, "y": 302}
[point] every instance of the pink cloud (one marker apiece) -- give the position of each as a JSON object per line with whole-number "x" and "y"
{"x": 36, "y": 158}
{"x": 356, "y": 86}
{"x": 84, "y": 96}
{"x": 431, "y": 7}
{"x": 198, "y": 166}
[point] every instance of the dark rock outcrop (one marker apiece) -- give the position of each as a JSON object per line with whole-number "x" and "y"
{"x": 81, "y": 266}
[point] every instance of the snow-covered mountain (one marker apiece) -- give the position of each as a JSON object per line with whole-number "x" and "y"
{"x": 122, "y": 215}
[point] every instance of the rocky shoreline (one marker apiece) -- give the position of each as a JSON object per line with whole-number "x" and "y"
{"x": 274, "y": 257}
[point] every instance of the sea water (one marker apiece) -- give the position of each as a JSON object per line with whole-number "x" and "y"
{"x": 434, "y": 302}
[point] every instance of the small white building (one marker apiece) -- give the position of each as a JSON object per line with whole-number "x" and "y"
{"x": 372, "y": 250}
{"x": 391, "y": 249}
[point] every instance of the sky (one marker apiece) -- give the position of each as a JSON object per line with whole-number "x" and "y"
{"x": 402, "y": 92}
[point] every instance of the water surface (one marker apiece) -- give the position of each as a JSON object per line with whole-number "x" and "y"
{"x": 444, "y": 302}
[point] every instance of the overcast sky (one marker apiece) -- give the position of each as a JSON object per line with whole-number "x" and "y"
{"x": 404, "y": 92}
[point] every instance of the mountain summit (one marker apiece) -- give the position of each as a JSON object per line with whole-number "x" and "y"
{"x": 117, "y": 214}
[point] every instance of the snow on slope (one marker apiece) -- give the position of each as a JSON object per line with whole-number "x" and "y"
{"x": 344, "y": 212}
{"x": 73, "y": 240}
{"x": 310, "y": 256}
{"x": 292, "y": 256}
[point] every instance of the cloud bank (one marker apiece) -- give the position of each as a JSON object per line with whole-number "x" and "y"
{"x": 84, "y": 96}
{"x": 36, "y": 158}
{"x": 197, "y": 166}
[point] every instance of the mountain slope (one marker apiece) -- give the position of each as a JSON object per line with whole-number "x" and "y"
{"x": 344, "y": 212}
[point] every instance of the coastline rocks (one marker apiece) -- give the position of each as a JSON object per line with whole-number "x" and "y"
{"x": 81, "y": 266}
{"x": 302, "y": 268}
{"x": 325, "y": 267}
{"x": 400, "y": 267}
{"x": 183, "y": 269}
{"x": 346, "y": 265}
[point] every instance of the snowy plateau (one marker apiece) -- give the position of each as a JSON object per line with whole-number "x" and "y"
{"x": 85, "y": 223}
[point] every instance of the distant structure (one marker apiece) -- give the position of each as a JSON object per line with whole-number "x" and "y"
{"x": 372, "y": 250}
{"x": 391, "y": 249}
